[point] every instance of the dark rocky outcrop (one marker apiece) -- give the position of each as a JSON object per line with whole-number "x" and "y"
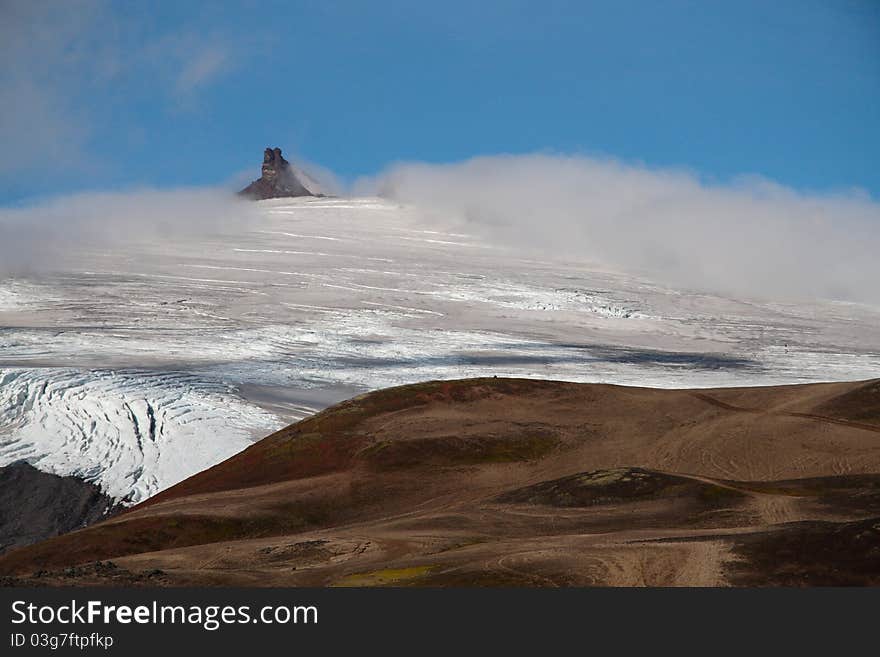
{"x": 279, "y": 179}
{"x": 35, "y": 505}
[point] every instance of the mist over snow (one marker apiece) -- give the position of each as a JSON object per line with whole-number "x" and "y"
{"x": 52, "y": 235}
{"x": 750, "y": 237}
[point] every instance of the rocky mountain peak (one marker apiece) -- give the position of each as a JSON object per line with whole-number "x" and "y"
{"x": 279, "y": 179}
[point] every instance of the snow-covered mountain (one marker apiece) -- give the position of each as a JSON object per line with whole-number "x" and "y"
{"x": 148, "y": 363}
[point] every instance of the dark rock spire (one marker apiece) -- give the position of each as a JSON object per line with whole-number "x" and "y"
{"x": 279, "y": 179}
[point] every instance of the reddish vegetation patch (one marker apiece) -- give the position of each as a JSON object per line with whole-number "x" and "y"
{"x": 130, "y": 537}
{"x": 328, "y": 441}
{"x": 468, "y": 390}
{"x": 146, "y": 534}
{"x": 455, "y": 450}
{"x": 287, "y": 455}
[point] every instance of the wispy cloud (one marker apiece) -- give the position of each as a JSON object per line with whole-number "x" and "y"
{"x": 749, "y": 237}
{"x": 57, "y": 59}
{"x": 200, "y": 69}
{"x": 185, "y": 64}
{"x": 66, "y": 232}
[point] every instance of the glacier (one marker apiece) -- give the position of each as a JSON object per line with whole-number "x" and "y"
{"x": 139, "y": 365}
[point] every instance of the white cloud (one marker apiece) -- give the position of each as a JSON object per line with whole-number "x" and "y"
{"x": 184, "y": 64}
{"x": 201, "y": 68}
{"x": 63, "y": 232}
{"x": 750, "y": 237}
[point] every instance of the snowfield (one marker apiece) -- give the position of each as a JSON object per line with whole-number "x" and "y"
{"x": 145, "y": 364}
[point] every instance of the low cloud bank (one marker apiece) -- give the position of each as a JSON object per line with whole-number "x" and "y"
{"x": 750, "y": 237}
{"x": 63, "y": 232}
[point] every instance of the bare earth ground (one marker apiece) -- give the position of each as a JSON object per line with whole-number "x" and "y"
{"x": 494, "y": 482}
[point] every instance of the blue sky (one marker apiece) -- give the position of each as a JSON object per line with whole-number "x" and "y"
{"x": 101, "y": 95}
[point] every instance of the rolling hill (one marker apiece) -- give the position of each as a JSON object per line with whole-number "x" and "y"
{"x": 522, "y": 482}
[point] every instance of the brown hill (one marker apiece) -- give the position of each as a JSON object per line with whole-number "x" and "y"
{"x": 517, "y": 482}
